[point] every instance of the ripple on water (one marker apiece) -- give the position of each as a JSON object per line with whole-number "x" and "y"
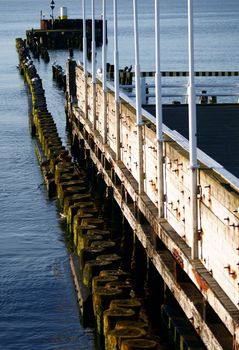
{"x": 38, "y": 308}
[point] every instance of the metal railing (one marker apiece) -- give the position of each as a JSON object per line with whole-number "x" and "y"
{"x": 148, "y": 88}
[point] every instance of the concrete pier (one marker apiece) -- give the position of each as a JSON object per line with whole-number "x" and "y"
{"x": 206, "y": 288}
{"x": 115, "y": 230}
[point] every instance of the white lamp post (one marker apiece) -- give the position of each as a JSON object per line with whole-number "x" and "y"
{"x": 159, "y": 113}
{"x": 85, "y": 57}
{"x": 104, "y": 84}
{"x": 192, "y": 134}
{"x": 116, "y": 81}
{"x": 139, "y": 122}
{"x": 93, "y": 64}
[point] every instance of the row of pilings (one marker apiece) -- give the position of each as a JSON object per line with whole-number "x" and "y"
{"x": 105, "y": 287}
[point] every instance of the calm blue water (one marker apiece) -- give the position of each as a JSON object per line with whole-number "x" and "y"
{"x": 38, "y": 309}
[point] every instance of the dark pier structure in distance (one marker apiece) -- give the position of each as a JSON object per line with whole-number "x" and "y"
{"x": 63, "y": 34}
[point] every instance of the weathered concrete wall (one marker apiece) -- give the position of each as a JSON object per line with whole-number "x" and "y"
{"x": 220, "y": 232}
{"x": 218, "y": 199}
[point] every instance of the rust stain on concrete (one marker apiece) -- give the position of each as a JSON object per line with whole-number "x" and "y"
{"x": 202, "y": 284}
{"x": 177, "y": 256}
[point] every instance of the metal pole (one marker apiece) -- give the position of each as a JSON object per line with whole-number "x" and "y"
{"x": 143, "y": 90}
{"x": 93, "y": 65}
{"x": 52, "y": 16}
{"x": 116, "y": 81}
{"x": 85, "y": 57}
{"x": 192, "y": 133}
{"x": 137, "y": 65}
{"x": 93, "y": 41}
{"x": 159, "y": 113}
{"x": 139, "y": 122}
{"x": 104, "y": 85}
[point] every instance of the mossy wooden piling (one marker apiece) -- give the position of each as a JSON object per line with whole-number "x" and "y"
{"x": 137, "y": 344}
{"x": 116, "y": 336}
